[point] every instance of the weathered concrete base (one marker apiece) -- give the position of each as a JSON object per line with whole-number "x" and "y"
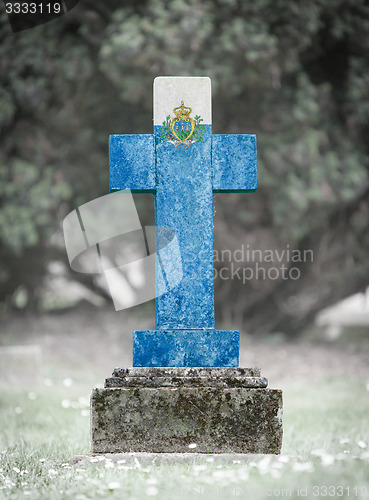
{"x": 220, "y": 410}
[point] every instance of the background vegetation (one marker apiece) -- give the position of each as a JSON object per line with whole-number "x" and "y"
{"x": 294, "y": 73}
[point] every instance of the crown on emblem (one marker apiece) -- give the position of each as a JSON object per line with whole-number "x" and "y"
{"x": 182, "y": 112}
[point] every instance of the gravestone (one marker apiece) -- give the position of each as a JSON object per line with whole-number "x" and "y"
{"x": 185, "y": 386}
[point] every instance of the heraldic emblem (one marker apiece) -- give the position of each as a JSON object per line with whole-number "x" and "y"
{"x": 182, "y": 129}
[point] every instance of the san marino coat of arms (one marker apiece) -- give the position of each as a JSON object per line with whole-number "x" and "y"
{"x": 182, "y": 129}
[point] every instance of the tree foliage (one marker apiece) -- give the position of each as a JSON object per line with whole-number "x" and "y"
{"x": 294, "y": 73}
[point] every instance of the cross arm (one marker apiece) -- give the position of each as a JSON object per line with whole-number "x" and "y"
{"x": 132, "y": 162}
{"x": 234, "y": 163}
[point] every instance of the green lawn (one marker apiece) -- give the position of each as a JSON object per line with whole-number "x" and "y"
{"x": 325, "y": 451}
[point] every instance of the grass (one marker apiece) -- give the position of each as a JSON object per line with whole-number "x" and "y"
{"x": 325, "y": 451}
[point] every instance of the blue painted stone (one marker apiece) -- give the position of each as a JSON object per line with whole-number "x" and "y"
{"x": 184, "y": 201}
{"x": 132, "y": 162}
{"x": 234, "y": 163}
{"x": 183, "y": 180}
{"x": 186, "y": 348}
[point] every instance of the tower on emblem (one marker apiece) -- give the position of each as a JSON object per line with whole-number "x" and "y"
{"x": 182, "y": 125}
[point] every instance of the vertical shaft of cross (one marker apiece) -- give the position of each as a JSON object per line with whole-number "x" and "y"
{"x": 184, "y": 202}
{"x": 182, "y": 163}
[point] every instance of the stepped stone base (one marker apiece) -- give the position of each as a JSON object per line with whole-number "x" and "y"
{"x": 165, "y": 410}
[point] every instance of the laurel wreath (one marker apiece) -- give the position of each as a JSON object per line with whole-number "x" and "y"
{"x": 198, "y": 135}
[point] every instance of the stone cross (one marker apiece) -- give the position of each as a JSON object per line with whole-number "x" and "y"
{"x": 182, "y": 163}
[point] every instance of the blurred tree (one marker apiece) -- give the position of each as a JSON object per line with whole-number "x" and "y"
{"x": 296, "y": 74}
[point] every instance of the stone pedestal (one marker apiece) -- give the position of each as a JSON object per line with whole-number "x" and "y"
{"x": 165, "y": 410}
